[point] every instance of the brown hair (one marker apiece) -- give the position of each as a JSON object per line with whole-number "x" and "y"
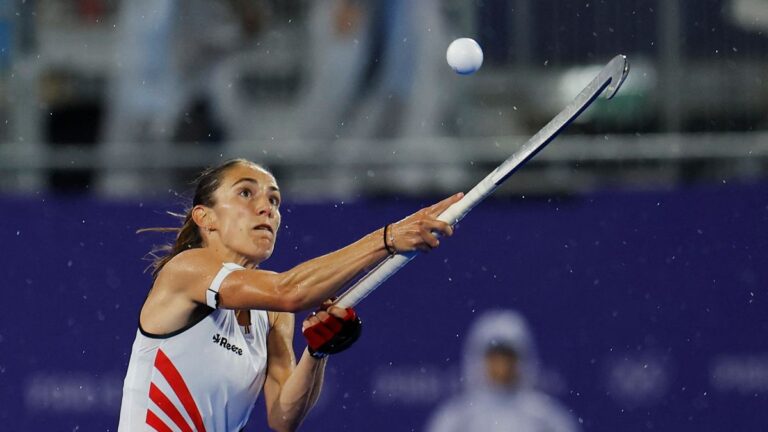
{"x": 188, "y": 235}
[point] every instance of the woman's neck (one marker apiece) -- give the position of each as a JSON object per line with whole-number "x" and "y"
{"x": 228, "y": 255}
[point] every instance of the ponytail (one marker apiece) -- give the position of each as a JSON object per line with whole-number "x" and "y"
{"x": 187, "y": 237}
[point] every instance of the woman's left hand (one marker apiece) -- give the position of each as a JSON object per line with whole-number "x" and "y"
{"x": 331, "y": 329}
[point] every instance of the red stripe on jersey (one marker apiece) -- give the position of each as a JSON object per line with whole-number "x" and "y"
{"x": 161, "y": 400}
{"x": 174, "y": 378}
{"x": 156, "y": 423}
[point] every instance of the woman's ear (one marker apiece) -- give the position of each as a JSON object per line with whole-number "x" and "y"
{"x": 204, "y": 217}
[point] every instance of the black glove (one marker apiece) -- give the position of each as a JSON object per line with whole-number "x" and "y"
{"x": 332, "y": 334}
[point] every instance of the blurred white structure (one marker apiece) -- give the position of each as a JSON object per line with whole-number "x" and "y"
{"x": 273, "y": 97}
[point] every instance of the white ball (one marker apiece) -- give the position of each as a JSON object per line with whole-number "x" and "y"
{"x": 464, "y": 55}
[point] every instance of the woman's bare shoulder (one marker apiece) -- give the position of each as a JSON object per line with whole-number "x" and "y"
{"x": 178, "y": 291}
{"x": 192, "y": 264}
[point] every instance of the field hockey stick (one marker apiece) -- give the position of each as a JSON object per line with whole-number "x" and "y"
{"x": 608, "y": 80}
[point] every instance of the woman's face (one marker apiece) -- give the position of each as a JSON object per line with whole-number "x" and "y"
{"x": 247, "y": 212}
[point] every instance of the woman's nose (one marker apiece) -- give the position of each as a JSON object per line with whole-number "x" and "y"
{"x": 265, "y": 208}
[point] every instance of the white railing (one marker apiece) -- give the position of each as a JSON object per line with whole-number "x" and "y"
{"x": 572, "y": 164}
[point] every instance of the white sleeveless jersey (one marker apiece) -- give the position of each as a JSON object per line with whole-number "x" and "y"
{"x": 202, "y": 378}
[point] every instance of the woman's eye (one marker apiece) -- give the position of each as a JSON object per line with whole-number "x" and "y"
{"x": 245, "y": 193}
{"x": 275, "y": 201}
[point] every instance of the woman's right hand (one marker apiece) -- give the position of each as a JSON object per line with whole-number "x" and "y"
{"x": 420, "y": 230}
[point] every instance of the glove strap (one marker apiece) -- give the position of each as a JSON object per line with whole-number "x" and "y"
{"x": 317, "y": 354}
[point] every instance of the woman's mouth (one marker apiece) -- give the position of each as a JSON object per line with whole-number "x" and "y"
{"x": 264, "y": 227}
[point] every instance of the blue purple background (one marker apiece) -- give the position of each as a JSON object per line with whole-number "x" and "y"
{"x": 648, "y": 308}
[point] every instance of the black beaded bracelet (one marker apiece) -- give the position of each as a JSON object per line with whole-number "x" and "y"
{"x": 389, "y": 248}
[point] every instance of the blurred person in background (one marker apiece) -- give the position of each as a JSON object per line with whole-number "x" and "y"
{"x": 374, "y": 73}
{"x": 216, "y": 329}
{"x": 499, "y": 374}
{"x": 368, "y": 58}
{"x": 161, "y": 88}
